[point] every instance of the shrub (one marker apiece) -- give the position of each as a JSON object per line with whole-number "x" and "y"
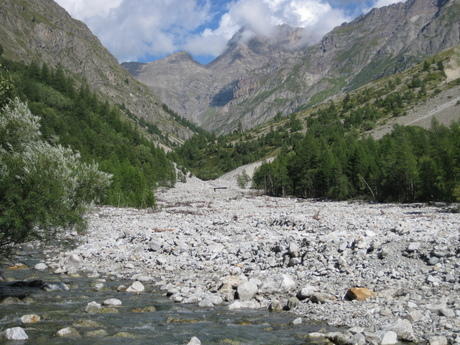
{"x": 44, "y": 188}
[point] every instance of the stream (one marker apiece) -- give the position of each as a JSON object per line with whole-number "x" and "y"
{"x": 147, "y": 318}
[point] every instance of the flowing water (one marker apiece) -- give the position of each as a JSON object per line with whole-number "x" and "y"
{"x": 134, "y": 323}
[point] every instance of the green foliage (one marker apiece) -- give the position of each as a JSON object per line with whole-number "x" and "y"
{"x": 99, "y": 132}
{"x": 44, "y": 188}
{"x": 243, "y": 179}
{"x": 410, "y": 164}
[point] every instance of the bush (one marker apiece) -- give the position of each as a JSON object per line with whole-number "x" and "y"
{"x": 44, "y": 188}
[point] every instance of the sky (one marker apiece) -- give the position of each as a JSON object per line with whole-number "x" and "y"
{"x": 146, "y": 30}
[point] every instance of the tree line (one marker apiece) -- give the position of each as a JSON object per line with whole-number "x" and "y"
{"x": 411, "y": 164}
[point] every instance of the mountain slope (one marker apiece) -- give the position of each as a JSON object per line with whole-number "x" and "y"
{"x": 42, "y": 31}
{"x": 255, "y": 79}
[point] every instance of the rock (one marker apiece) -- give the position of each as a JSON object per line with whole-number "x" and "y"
{"x": 98, "y": 287}
{"x": 15, "y": 333}
{"x": 293, "y": 302}
{"x": 41, "y": 266}
{"x": 403, "y": 328}
{"x": 321, "y": 297}
{"x": 339, "y": 338}
{"x": 357, "y": 339}
{"x": 112, "y": 302}
{"x": 412, "y": 247}
{"x": 306, "y": 292}
{"x": 359, "y": 294}
{"x": 86, "y": 324}
{"x": 136, "y": 287}
{"x": 93, "y": 308}
{"x": 278, "y": 283}
{"x": 275, "y": 305}
{"x": 438, "y": 340}
{"x": 30, "y": 318}
{"x": 68, "y": 332}
{"x": 246, "y": 291}
{"x": 97, "y": 333}
{"x": 297, "y": 321}
{"x": 387, "y": 337}
{"x": 58, "y": 286}
{"x": 194, "y": 341}
{"x": 237, "y": 305}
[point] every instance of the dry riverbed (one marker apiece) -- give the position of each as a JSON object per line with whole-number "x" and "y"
{"x": 231, "y": 246}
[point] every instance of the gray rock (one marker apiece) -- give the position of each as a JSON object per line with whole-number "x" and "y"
{"x": 275, "y": 305}
{"x": 246, "y": 291}
{"x": 194, "y": 341}
{"x": 306, "y": 292}
{"x": 403, "y": 328}
{"x": 278, "y": 283}
{"x": 15, "y": 333}
{"x": 438, "y": 340}
{"x": 292, "y": 303}
{"x": 68, "y": 332}
{"x": 387, "y": 337}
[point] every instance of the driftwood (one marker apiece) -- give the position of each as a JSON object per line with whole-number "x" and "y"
{"x": 216, "y": 188}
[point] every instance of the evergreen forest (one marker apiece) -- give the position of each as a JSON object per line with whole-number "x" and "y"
{"x": 76, "y": 118}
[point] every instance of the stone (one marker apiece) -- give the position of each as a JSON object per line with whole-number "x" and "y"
{"x": 86, "y": 324}
{"x": 58, "y": 286}
{"x": 68, "y": 332}
{"x": 292, "y": 303}
{"x": 275, "y": 305}
{"x": 30, "y": 318}
{"x": 297, "y": 321}
{"x": 412, "y": 247}
{"x": 98, "y": 287}
{"x": 246, "y": 291}
{"x": 114, "y": 302}
{"x": 15, "y": 333}
{"x": 357, "y": 339}
{"x": 359, "y": 294}
{"x": 321, "y": 297}
{"x": 438, "y": 340}
{"x": 403, "y": 328}
{"x": 278, "y": 283}
{"x": 41, "y": 266}
{"x": 97, "y": 333}
{"x": 93, "y": 308}
{"x": 387, "y": 337}
{"x": 194, "y": 341}
{"x": 136, "y": 287}
{"x": 306, "y": 292}
{"x": 237, "y": 305}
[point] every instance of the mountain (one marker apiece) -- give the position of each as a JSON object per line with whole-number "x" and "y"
{"x": 257, "y": 78}
{"x": 43, "y": 32}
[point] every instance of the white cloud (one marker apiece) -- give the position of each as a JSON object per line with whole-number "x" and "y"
{"x": 136, "y": 29}
{"x": 381, "y": 3}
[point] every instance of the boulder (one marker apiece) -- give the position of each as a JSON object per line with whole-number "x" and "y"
{"x": 15, "y": 333}
{"x": 306, "y": 292}
{"x": 292, "y": 303}
{"x": 359, "y": 294}
{"x": 113, "y": 302}
{"x": 275, "y": 305}
{"x": 278, "y": 283}
{"x": 321, "y": 297}
{"x": 136, "y": 287}
{"x": 246, "y": 291}
{"x": 387, "y": 337}
{"x": 194, "y": 341}
{"x": 68, "y": 332}
{"x": 438, "y": 340}
{"x": 41, "y": 266}
{"x": 30, "y": 318}
{"x": 93, "y": 308}
{"x": 403, "y": 328}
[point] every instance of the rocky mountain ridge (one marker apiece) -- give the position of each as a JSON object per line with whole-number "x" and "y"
{"x": 43, "y": 32}
{"x": 256, "y": 79}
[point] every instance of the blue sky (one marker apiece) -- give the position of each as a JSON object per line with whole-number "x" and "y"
{"x": 146, "y": 30}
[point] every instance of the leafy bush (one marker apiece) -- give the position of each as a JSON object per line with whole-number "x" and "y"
{"x": 44, "y": 188}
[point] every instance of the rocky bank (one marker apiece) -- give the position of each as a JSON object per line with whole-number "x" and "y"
{"x": 210, "y": 245}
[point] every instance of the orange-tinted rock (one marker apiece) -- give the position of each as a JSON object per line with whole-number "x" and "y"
{"x": 359, "y": 293}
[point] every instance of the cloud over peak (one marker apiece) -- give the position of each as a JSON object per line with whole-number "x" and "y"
{"x": 139, "y": 30}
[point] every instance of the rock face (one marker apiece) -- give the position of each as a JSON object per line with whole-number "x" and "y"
{"x": 255, "y": 79}
{"x": 42, "y": 31}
